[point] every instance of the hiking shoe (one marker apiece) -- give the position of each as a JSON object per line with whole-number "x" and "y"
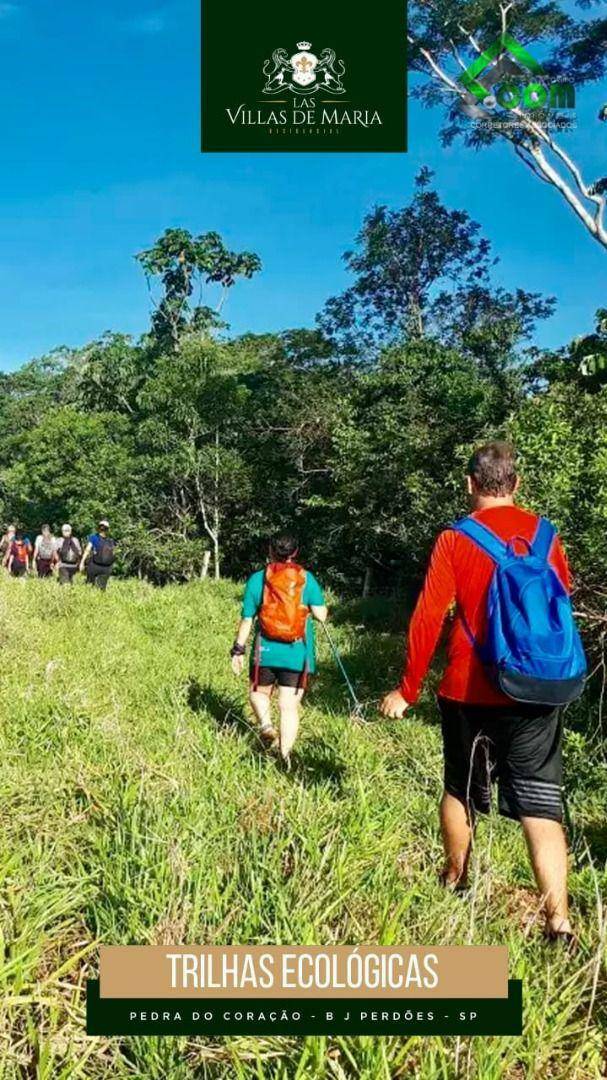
{"x": 454, "y": 885}
{"x": 269, "y": 737}
{"x": 565, "y": 939}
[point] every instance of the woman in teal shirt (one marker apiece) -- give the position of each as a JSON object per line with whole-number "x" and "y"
{"x": 275, "y": 662}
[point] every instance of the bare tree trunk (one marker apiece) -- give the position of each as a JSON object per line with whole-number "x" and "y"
{"x": 216, "y": 561}
{"x": 216, "y": 511}
{"x": 204, "y": 569}
{"x": 212, "y": 531}
{"x": 367, "y": 582}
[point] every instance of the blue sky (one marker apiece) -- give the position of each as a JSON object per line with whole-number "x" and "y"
{"x": 100, "y": 154}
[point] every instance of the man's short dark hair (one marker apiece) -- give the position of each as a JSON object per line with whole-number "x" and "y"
{"x": 493, "y": 469}
{"x": 284, "y": 547}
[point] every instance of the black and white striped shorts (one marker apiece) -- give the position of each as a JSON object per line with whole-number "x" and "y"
{"x": 517, "y": 746}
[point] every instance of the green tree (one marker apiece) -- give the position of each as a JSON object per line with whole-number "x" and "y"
{"x": 110, "y": 372}
{"x": 72, "y": 466}
{"x": 582, "y": 362}
{"x": 425, "y": 271}
{"x": 298, "y": 395}
{"x": 399, "y": 453}
{"x": 561, "y": 436}
{"x": 193, "y": 409}
{"x": 182, "y": 262}
{"x": 26, "y": 395}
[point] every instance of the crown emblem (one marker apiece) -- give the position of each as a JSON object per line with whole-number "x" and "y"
{"x": 303, "y": 73}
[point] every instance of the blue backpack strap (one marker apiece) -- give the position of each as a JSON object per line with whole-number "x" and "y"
{"x": 543, "y": 539}
{"x": 483, "y": 537}
{"x": 468, "y": 632}
{"x": 495, "y": 548}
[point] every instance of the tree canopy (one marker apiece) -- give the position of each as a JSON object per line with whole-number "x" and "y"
{"x": 199, "y": 445}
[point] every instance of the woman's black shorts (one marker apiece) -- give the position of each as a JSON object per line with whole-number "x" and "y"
{"x": 269, "y": 676}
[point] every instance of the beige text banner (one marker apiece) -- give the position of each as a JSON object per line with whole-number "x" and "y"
{"x": 315, "y": 971}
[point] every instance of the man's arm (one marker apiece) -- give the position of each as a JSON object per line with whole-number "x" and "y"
{"x": 438, "y": 592}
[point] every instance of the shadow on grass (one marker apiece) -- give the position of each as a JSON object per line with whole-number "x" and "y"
{"x": 595, "y": 835}
{"x": 311, "y": 765}
{"x": 318, "y": 765}
{"x": 380, "y": 613}
{"x": 372, "y": 671}
{"x": 227, "y": 713}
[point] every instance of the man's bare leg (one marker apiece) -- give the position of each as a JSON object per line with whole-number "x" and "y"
{"x": 288, "y": 703}
{"x": 261, "y": 705}
{"x": 457, "y": 839}
{"x": 548, "y": 853}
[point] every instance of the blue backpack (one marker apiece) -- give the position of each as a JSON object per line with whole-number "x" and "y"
{"x": 533, "y": 651}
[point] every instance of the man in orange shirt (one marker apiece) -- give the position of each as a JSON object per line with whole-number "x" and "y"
{"x": 486, "y": 735}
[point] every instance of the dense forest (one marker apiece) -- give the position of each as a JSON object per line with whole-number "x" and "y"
{"x": 198, "y": 444}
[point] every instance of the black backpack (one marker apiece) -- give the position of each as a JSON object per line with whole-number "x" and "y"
{"x": 68, "y": 552}
{"x": 103, "y": 554}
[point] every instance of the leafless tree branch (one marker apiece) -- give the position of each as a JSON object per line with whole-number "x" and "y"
{"x": 535, "y": 147}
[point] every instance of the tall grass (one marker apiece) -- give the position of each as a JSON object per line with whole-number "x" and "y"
{"x": 139, "y": 807}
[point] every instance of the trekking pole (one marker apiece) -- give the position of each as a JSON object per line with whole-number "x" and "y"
{"x": 358, "y": 708}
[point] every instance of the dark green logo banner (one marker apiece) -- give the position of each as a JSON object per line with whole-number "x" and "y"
{"x": 318, "y": 77}
{"x": 308, "y": 1016}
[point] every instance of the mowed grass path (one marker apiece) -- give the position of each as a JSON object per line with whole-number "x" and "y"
{"x": 138, "y": 807}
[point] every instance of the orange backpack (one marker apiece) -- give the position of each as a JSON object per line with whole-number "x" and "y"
{"x": 282, "y": 616}
{"x": 19, "y": 551}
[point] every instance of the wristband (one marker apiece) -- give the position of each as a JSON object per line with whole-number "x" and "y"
{"x": 237, "y": 650}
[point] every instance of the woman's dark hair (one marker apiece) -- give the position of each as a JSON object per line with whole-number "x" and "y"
{"x": 493, "y": 469}
{"x": 283, "y": 547}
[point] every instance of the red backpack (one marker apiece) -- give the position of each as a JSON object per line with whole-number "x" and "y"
{"x": 283, "y": 615}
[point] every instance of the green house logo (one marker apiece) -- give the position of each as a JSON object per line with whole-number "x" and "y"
{"x": 506, "y": 56}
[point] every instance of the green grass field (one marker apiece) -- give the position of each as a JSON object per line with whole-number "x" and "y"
{"x": 138, "y": 807}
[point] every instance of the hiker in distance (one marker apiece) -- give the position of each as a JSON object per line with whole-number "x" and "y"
{"x": 7, "y": 540}
{"x": 514, "y": 657}
{"x": 68, "y": 555}
{"x": 281, "y": 599}
{"x": 44, "y": 556}
{"x": 99, "y": 556}
{"x": 17, "y": 557}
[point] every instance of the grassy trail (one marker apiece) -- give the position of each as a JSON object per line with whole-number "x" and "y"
{"x": 137, "y": 807}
